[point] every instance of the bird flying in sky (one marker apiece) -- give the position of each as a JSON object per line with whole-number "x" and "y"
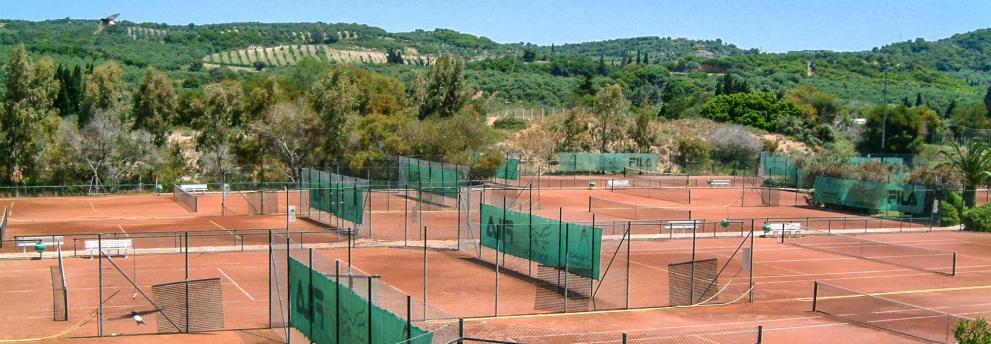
{"x": 106, "y": 22}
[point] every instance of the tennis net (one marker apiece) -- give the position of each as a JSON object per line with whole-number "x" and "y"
{"x": 870, "y": 310}
{"x": 185, "y": 198}
{"x": 60, "y": 291}
{"x": 921, "y": 258}
{"x": 644, "y": 178}
{"x": 635, "y": 212}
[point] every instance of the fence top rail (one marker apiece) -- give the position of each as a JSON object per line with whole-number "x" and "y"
{"x": 829, "y": 218}
{"x": 170, "y": 234}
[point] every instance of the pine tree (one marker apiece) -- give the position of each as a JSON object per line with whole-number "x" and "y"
{"x": 950, "y": 108}
{"x": 918, "y": 99}
{"x": 638, "y": 56}
{"x": 646, "y": 58}
{"x": 602, "y": 70}
{"x": 987, "y": 101}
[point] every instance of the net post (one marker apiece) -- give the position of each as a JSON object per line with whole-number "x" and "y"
{"x": 590, "y": 203}
{"x": 760, "y": 334}
{"x": 953, "y": 272}
{"x": 691, "y": 292}
{"x": 624, "y": 338}
{"x": 815, "y": 294}
{"x": 409, "y": 308}
{"x": 461, "y": 330}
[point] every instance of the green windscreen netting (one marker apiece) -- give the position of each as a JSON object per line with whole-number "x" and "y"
{"x": 331, "y": 312}
{"x": 779, "y": 167}
{"x": 431, "y": 176}
{"x": 874, "y": 195}
{"x": 550, "y": 242}
{"x": 606, "y": 162}
{"x": 340, "y": 195}
{"x": 510, "y": 169}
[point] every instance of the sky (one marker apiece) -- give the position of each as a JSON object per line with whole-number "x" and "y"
{"x": 768, "y": 25}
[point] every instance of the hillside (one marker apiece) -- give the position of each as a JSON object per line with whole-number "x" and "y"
{"x": 954, "y": 68}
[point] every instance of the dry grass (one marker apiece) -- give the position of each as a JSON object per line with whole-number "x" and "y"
{"x": 285, "y": 55}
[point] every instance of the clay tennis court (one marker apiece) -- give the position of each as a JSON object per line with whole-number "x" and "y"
{"x": 463, "y": 286}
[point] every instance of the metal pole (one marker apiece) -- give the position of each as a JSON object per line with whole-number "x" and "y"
{"x": 691, "y": 293}
{"x": 309, "y": 300}
{"x": 99, "y": 264}
{"x": 185, "y": 245}
{"x": 567, "y": 232}
{"x": 337, "y": 300}
{"x": 425, "y": 273}
{"x": 370, "y": 310}
{"x": 629, "y": 243}
{"x": 270, "y": 267}
{"x": 409, "y": 325}
{"x": 815, "y": 294}
{"x": 752, "y": 265}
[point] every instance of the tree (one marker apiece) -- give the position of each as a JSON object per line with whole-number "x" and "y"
{"x": 105, "y": 90}
{"x": 575, "y": 130}
{"x": 641, "y": 131}
{"x": 259, "y": 65}
{"x": 818, "y": 105}
{"x": 110, "y": 151}
{"x": 28, "y": 99}
{"x": 529, "y": 55}
{"x": 336, "y": 100}
{"x": 906, "y": 129}
{"x": 447, "y": 89}
{"x": 973, "y": 162}
{"x": 918, "y": 99}
{"x": 610, "y": 112}
{"x": 155, "y": 104}
{"x": 222, "y": 104}
{"x": 949, "y": 109}
{"x": 288, "y": 127}
{"x": 394, "y": 56}
{"x": 602, "y": 69}
{"x": 987, "y": 101}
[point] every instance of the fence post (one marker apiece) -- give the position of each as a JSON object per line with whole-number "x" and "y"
{"x": 409, "y": 327}
{"x": 370, "y": 310}
{"x": 815, "y": 294}
{"x": 760, "y": 334}
{"x": 624, "y": 337}
{"x": 99, "y": 265}
{"x": 461, "y": 330}
{"x": 186, "y": 258}
{"x": 425, "y": 274}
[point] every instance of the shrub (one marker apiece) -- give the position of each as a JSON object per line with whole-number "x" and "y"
{"x": 511, "y": 123}
{"x": 972, "y": 332}
{"x": 692, "y": 152}
{"x": 736, "y": 146}
{"x": 950, "y": 208}
{"x": 978, "y": 218}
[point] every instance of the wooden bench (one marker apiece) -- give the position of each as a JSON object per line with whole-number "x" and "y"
{"x": 793, "y": 228}
{"x": 680, "y": 225}
{"x": 194, "y": 188}
{"x": 111, "y": 247}
{"x": 720, "y": 182}
{"x": 28, "y": 241}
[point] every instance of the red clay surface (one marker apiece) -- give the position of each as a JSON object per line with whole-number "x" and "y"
{"x": 465, "y": 287}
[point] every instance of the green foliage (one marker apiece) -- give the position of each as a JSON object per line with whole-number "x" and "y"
{"x": 972, "y": 331}
{"x": 693, "y": 152}
{"x": 610, "y": 112}
{"x": 950, "y": 209}
{"x": 511, "y": 123}
{"x": 977, "y": 218}
{"x": 758, "y": 109}
{"x": 735, "y": 147}
{"x": 447, "y": 90}
{"x": 641, "y": 132}
{"x": 907, "y": 128}
{"x": 973, "y": 163}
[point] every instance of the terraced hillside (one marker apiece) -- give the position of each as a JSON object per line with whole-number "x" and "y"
{"x": 286, "y": 55}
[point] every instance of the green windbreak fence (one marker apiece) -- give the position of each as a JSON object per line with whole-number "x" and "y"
{"x": 510, "y": 169}
{"x": 606, "y": 162}
{"x": 340, "y": 195}
{"x": 884, "y": 160}
{"x": 331, "y": 312}
{"x": 546, "y": 241}
{"x": 780, "y": 167}
{"x": 874, "y": 195}
{"x": 431, "y": 176}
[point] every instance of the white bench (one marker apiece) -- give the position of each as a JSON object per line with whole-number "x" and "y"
{"x": 720, "y": 182}
{"x": 28, "y": 241}
{"x": 793, "y": 228}
{"x": 194, "y": 188}
{"x": 618, "y": 183}
{"x": 111, "y": 247}
{"x": 677, "y": 225}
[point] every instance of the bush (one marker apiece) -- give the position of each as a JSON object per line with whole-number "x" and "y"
{"x": 692, "y": 151}
{"x": 950, "y": 208}
{"x": 972, "y": 332}
{"x": 735, "y": 146}
{"x": 511, "y": 123}
{"x": 978, "y": 218}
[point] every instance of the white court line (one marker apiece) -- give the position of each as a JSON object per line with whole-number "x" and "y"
{"x": 92, "y": 206}
{"x": 221, "y": 227}
{"x": 235, "y": 284}
{"x": 122, "y": 230}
